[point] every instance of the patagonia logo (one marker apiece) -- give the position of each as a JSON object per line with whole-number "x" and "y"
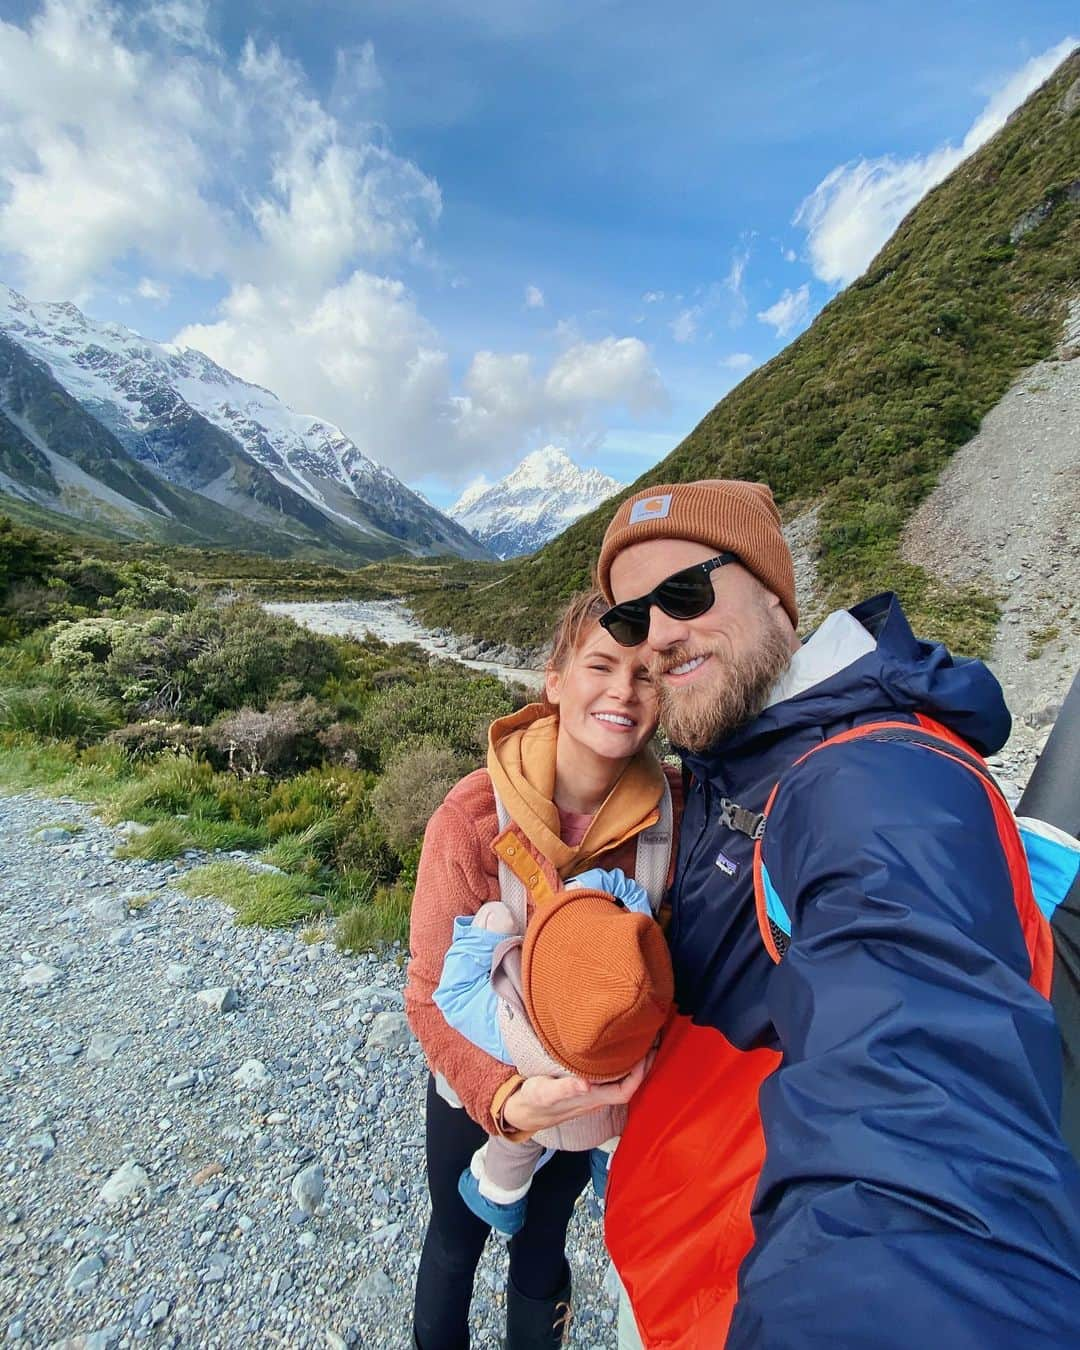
{"x": 650, "y": 508}
{"x": 729, "y": 868}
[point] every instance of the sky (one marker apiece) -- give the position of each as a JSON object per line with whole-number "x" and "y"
{"x": 465, "y": 229}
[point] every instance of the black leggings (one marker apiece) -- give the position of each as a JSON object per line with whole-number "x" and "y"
{"x": 456, "y": 1237}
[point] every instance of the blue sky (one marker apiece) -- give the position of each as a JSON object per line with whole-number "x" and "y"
{"x": 465, "y": 229}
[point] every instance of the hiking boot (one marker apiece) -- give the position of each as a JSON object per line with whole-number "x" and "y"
{"x": 537, "y": 1323}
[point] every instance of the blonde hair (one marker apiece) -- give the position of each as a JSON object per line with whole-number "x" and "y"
{"x": 576, "y": 620}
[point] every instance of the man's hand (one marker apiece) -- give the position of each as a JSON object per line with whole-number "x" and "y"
{"x": 542, "y": 1102}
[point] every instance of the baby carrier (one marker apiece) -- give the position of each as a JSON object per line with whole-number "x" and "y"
{"x": 516, "y": 870}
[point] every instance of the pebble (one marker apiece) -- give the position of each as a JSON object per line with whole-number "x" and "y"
{"x": 221, "y": 999}
{"x": 104, "y": 1047}
{"x": 39, "y": 976}
{"x": 296, "y": 1207}
{"x": 89, "y": 1268}
{"x": 126, "y": 1181}
{"x": 252, "y": 1075}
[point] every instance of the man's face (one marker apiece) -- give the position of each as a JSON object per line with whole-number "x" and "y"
{"x": 713, "y": 673}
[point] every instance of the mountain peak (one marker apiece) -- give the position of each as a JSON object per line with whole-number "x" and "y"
{"x": 536, "y": 501}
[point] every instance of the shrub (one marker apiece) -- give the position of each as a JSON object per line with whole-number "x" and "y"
{"x": 283, "y": 738}
{"x": 144, "y": 739}
{"x": 450, "y": 707}
{"x": 411, "y": 788}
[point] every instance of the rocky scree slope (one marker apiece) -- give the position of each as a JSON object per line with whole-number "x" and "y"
{"x": 211, "y": 1136}
{"x": 1006, "y": 518}
{"x": 248, "y": 458}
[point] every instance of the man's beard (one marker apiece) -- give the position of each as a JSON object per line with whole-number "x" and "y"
{"x": 733, "y": 692}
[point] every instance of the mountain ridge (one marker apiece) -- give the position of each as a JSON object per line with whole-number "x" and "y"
{"x": 532, "y": 504}
{"x": 235, "y": 445}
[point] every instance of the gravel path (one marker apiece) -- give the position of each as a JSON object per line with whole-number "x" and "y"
{"x": 179, "y": 1171}
{"x": 1006, "y": 515}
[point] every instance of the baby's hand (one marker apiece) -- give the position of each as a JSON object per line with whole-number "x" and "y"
{"x": 616, "y": 883}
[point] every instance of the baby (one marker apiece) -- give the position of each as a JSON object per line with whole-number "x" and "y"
{"x": 585, "y": 992}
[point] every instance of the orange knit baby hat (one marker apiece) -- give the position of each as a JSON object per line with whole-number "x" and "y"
{"x": 597, "y": 983}
{"x": 725, "y": 514}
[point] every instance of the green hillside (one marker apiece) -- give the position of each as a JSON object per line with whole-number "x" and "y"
{"x": 860, "y": 414}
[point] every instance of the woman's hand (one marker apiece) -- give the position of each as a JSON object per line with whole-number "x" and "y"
{"x": 541, "y": 1101}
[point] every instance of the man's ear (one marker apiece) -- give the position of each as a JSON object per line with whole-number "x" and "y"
{"x": 552, "y": 686}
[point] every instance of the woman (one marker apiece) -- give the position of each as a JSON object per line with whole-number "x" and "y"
{"x": 579, "y": 783}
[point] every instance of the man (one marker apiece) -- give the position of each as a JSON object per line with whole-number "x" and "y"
{"x": 871, "y": 1062}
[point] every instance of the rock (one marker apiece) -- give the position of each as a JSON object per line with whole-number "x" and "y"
{"x": 160, "y": 1311}
{"x": 104, "y": 1047}
{"x": 389, "y": 1031}
{"x": 308, "y": 1188}
{"x": 334, "y": 1341}
{"x": 178, "y": 973}
{"x": 180, "y": 1082}
{"x": 108, "y": 910}
{"x": 54, "y": 834}
{"x": 374, "y": 1286}
{"x": 126, "y": 1181}
{"x": 220, "y": 999}
{"x": 45, "y": 1143}
{"x": 253, "y": 1075}
{"x": 386, "y": 1234}
{"x": 39, "y": 976}
{"x": 84, "y": 1271}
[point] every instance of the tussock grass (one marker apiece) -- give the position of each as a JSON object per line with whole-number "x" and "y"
{"x": 60, "y": 714}
{"x": 384, "y": 920}
{"x": 164, "y": 839}
{"x": 268, "y": 899}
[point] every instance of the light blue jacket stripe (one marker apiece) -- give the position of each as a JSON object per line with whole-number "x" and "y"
{"x": 774, "y": 906}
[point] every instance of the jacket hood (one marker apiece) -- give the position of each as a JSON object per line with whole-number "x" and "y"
{"x": 902, "y": 674}
{"x": 521, "y": 762}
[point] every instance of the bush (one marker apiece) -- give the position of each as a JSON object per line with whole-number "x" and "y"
{"x": 284, "y": 738}
{"x": 449, "y": 707}
{"x": 142, "y": 740}
{"x": 198, "y": 664}
{"x": 411, "y": 789}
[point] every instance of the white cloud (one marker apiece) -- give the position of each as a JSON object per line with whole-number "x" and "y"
{"x": 612, "y": 371}
{"x": 789, "y": 254}
{"x": 130, "y": 140}
{"x": 156, "y": 291}
{"x": 534, "y": 297}
{"x": 684, "y": 325}
{"x": 857, "y": 206}
{"x": 789, "y": 312}
{"x": 733, "y": 284}
{"x": 653, "y": 297}
{"x": 737, "y": 361}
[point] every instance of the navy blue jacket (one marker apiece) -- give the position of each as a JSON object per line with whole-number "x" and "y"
{"x": 916, "y": 1189}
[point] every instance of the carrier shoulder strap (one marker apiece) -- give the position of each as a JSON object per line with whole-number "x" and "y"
{"x": 511, "y": 888}
{"x": 773, "y": 920}
{"x": 651, "y": 865}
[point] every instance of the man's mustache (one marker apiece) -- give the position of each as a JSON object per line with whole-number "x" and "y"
{"x": 675, "y": 656}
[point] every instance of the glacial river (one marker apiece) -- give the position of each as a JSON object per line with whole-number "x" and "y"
{"x": 390, "y": 621}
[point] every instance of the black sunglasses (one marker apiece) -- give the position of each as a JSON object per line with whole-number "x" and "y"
{"x": 683, "y": 595}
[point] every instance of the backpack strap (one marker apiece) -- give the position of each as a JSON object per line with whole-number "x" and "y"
{"x": 511, "y": 888}
{"x": 653, "y": 859}
{"x": 773, "y": 920}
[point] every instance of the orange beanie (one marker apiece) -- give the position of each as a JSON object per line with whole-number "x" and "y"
{"x": 723, "y": 513}
{"x": 597, "y": 983}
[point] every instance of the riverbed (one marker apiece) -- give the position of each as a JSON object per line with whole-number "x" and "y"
{"x": 390, "y": 621}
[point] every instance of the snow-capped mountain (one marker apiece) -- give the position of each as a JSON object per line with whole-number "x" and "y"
{"x": 530, "y": 506}
{"x": 175, "y": 412}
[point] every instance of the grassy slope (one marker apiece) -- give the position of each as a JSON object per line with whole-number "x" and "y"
{"x": 862, "y": 412}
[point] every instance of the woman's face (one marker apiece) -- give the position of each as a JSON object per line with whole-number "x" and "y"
{"x": 606, "y": 700}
